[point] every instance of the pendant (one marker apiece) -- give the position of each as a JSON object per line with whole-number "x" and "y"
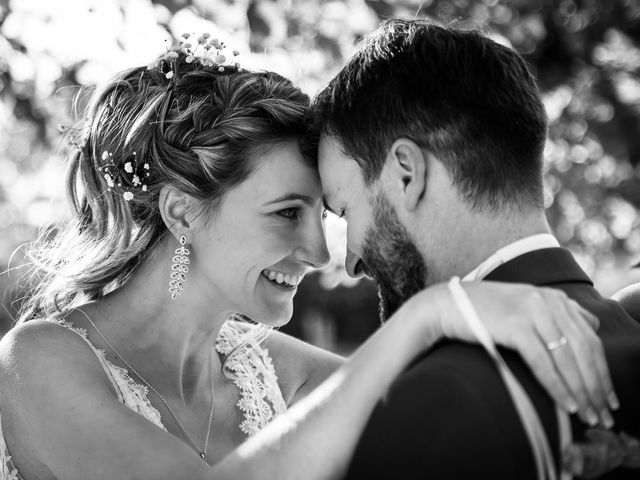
{"x": 203, "y": 456}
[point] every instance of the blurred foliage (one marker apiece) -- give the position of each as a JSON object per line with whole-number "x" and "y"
{"x": 585, "y": 54}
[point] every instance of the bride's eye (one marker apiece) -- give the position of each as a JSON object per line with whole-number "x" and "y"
{"x": 325, "y": 212}
{"x": 290, "y": 213}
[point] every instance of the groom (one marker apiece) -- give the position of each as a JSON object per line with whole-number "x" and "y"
{"x": 430, "y": 145}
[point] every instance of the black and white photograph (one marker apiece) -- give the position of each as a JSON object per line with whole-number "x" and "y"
{"x": 319, "y": 239}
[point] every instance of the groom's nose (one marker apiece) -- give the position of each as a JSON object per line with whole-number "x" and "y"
{"x": 354, "y": 265}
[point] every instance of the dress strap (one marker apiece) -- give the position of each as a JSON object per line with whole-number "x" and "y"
{"x": 130, "y": 393}
{"x": 250, "y": 367}
{"x": 99, "y": 353}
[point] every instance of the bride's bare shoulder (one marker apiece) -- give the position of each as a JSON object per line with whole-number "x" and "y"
{"x": 299, "y": 365}
{"x": 43, "y": 349}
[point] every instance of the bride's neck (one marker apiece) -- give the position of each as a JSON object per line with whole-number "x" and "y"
{"x": 171, "y": 339}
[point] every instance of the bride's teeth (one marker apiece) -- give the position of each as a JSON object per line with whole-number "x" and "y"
{"x": 286, "y": 278}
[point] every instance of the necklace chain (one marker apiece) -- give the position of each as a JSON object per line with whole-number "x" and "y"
{"x": 203, "y": 452}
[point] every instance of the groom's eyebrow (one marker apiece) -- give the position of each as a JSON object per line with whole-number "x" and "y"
{"x": 292, "y": 196}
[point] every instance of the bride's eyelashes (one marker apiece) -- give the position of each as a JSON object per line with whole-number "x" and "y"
{"x": 291, "y": 213}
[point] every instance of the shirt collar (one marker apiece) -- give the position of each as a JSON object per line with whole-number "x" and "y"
{"x": 511, "y": 251}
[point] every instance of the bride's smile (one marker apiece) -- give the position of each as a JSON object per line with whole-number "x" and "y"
{"x": 288, "y": 280}
{"x": 267, "y": 234}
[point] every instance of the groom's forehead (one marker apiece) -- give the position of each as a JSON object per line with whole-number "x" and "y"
{"x": 341, "y": 176}
{"x": 332, "y": 161}
{"x": 336, "y": 176}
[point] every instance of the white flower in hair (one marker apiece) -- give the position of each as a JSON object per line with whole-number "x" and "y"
{"x": 202, "y": 51}
{"x": 109, "y": 180}
{"x": 125, "y": 175}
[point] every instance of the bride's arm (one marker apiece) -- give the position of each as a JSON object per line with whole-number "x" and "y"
{"x": 316, "y": 438}
{"x": 61, "y": 417}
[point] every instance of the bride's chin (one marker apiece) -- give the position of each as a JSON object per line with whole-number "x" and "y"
{"x": 274, "y": 317}
{"x": 277, "y": 320}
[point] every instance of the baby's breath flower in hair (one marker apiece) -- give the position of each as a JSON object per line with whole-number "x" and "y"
{"x": 124, "y": 177}
{"x": 201, "y": 52}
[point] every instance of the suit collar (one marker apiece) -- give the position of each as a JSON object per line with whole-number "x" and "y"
{"x": 541, "y": 267}
{"x": 511, "y": 251}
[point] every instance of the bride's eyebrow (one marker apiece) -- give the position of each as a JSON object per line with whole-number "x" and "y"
{"x": 292, "y": 196}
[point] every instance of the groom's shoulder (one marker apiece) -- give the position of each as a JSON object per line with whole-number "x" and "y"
{"x": 457, "y": 365}
{"x": 448, "y": 405}
{"x": 462, "y": 384}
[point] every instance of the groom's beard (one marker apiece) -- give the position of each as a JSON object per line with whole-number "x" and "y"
{"x": 392, "y": 259}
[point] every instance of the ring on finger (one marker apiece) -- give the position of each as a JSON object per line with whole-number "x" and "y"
{"x": 561, "y": 342}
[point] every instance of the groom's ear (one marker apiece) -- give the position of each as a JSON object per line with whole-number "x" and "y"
{"x": 407, "y": 170}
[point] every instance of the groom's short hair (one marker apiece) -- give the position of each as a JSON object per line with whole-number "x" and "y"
{"x": 458, "y": 94}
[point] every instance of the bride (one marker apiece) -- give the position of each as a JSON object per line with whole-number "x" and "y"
{"x": 193, "y": 210}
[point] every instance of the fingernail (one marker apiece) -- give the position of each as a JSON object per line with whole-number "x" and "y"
{"x": 572, "y": 407}
{"x": 592, "y": 417}
{"x": 607, "y": 419}
{"x": 614, "y": 403}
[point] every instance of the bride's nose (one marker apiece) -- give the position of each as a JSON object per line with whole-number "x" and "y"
{"x": 312, "y": 248}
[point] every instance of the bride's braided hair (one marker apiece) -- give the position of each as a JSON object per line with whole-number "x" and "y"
{"x": 196, "y": 131}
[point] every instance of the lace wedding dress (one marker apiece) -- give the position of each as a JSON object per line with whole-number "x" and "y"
{"x": 250, "y": 367}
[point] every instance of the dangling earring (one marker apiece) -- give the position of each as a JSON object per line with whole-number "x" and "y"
{"x": 179, "y": 268}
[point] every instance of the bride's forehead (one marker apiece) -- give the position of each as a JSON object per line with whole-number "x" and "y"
{"x": 281, "y": 169}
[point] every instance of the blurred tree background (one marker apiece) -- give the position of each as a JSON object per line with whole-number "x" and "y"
{"x": 585, "y": 54}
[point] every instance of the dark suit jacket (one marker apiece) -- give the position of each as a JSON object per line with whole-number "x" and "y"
{"x": 449, "y": 415}
{"x": 629, "y": 298}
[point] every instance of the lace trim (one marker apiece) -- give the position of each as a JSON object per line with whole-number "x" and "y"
{"x": 251, "y": 368}
{"x": 131, "y": 393}
{"x": 253, "y": 373}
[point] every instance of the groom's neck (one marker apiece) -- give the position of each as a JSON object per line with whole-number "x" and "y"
{"x": 481, "y": 236}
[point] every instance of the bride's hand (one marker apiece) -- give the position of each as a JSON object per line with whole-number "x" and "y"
{"x": 553, "y": 334}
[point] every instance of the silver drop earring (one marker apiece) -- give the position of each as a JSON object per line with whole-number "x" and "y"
{"x": 179, "y": 268}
